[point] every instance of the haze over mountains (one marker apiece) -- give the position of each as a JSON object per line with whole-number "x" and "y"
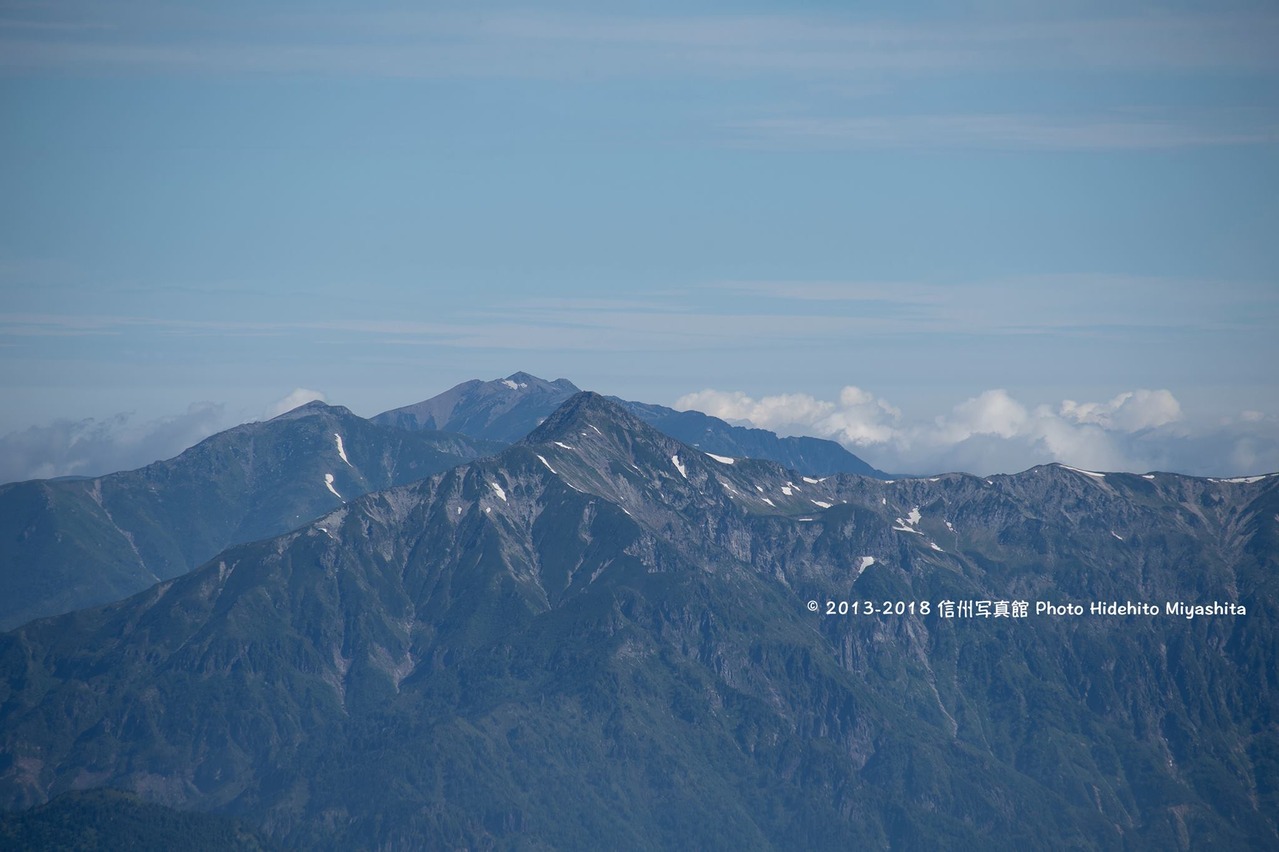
{"x": 67, "y": 544}
{"x": 72, "y": 544}
{"x": 602, "y": 636}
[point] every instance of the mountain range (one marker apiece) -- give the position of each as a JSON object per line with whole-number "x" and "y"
{"x": 508, "y": 409}
{"x": 604, "y": 637}
{"x": 66, "y": 544}
{"x": 71, "y": 543}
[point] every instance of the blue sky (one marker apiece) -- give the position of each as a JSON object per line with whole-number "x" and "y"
{"x": 1025, "y": 232}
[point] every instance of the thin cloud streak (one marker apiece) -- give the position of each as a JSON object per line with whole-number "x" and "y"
{"x": 811, "y": 55}
{"x": 1037, "y": 303}
{"x": 750, "y": 313}
{"x": 417, "y": 44}
{"x": 1000, "y": 132}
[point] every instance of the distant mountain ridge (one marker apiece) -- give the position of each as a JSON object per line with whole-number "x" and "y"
{"x": 602, "y": 637}
{"x": 74, "y": 542}
{"x": 71, "y": 543}
{"x": 508, "y": 409}
{"x": 501, "y": 410}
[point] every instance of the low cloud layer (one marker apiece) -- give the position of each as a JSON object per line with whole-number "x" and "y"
{"x": 93, "y": 447}
{"x": 1139, "y": 430}
{"x": 993, "y": 432}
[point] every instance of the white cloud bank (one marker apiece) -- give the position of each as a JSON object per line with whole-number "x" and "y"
{"x": 993, "y": 432}
{"x": 93, "y": 447}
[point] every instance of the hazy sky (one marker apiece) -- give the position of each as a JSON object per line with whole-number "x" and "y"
{"x": 950, "y": 235}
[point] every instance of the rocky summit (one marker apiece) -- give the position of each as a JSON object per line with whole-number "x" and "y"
{"x": 508, "y": 409}
{"x": 602, "y": 637}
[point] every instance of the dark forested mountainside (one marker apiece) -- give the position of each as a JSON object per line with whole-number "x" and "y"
{"x": 105, "y": 820}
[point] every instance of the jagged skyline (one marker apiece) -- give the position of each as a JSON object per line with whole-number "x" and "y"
{"x": 994, "y": 218}
{"x": 618, "y": 639}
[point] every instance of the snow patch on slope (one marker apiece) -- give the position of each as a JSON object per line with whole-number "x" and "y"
{"x": 328, "y": 483}
{"x": 548, "y": 466}
{"x": 721, "y": 459}
{"x": 497, "y": 489}
{"x": 908, "y": 523}
{"x": 679, "y": 466}
{"x": 1246, "y": 479}
{"x": 341, "y": 449}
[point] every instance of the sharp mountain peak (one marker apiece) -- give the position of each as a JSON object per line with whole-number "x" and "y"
{"x": 588, "y": 412}
{"x": 312, "y": 408}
